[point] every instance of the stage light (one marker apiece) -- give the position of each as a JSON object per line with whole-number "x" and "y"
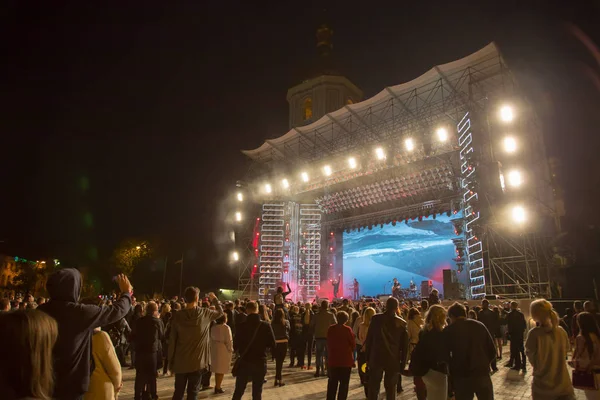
{"x": 240, "y": 196}
{"x": 327, "y": 170}
{"x": 380, "y": 153}
{"x": 304, "y": 176}
{"x": 268, "y": 188}
{"x": 518, "y": 214}
{"x": 506, "y": 113}
{"x": 285, "y": 183}
{"x": 442, "y": 134}
{"x": 409, "y": 144}
{"x": 514, "y": 178}
{"x": 238, "y": 216}
{"x": 510, "y": 144}
{"x": 352, "y": 162}
{"x": 235, "y": 256}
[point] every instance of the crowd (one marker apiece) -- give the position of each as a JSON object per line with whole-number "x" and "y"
{"x": 69, "y": 348}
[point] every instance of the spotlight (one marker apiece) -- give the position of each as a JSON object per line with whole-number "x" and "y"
{"x": 304, "y": 176}
{"x": 235, "y": 256}
{"x": 285, "y": 183}
{"x": 506, "y": 113}
{"x": 380, "y": 153}
{"x": 442, "y": 134}
{"x": 352, "y": 162}
{"x": 518, "y": 214}
{"x": 238, "y": 216}
{"x": 514, "y": 178}
{"x": 510, "y": 144}
{"x": 409, "y": 144}
{"x": 240, "y": 196}
{"x": 327, "y": 170}
{"x": 268, "y": 188}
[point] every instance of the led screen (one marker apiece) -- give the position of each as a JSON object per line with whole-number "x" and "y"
{"x": 419, "y": 250}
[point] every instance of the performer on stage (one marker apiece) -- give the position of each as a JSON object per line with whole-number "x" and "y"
{"x": 279, "y": 297}
{"x": 355, "y": 287}
{"x": 336, "y": 286}
{"x": 413, "y": 288}
{"x": 396, "y": 289}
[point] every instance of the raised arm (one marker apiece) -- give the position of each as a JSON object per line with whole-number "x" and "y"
{"x": 94, "y": 316}
{"x": 289, "y": 290}
{"x": 218, "y": 311}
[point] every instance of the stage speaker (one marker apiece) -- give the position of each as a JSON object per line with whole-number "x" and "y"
{"x": 449, "y": 276}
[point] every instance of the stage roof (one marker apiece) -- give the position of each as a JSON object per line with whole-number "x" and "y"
{"x": 410, "y": 106}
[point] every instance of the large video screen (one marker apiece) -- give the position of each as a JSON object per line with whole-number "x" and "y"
{"x": 417, "y": 251}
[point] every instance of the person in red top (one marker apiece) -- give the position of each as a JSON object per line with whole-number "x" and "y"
{"x": 340, "y": 348}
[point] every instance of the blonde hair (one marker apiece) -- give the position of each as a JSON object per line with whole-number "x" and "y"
{"x": 369, "y": 312}
{"x": 166, "y": 308}
{"x": 541, "y": 311}
{"x": 435, "y": 319}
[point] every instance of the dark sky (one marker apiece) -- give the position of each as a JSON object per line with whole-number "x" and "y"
{"x": 127, "y": 121}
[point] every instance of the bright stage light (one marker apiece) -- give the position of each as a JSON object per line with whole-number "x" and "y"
{"x": 235, "y": 256}
{"x": 510, "y": 144}
{"x": 352, "y": 162}
{"x": 285, "y": 183}
{"x": 380, "y": 153}
{"x": 327, "y": 170}
{"x": 442, "y": 134}
{"x": 240, "y": 196}
{"x": 518, "y": 214}
{"x": 268, "y": 188}
{"x": 304, "y": 176}
{"x": 506, "y": 113}
{"x": 409, "y": 144}
{"x": 514, "y": 178}
{"x": 238, "y": 216}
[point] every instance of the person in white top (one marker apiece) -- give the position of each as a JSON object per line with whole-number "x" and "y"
{"x": 221, "y": 344}
{"x": 546, "y": 348}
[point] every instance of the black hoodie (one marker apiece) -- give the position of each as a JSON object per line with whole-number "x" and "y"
{"x": 76, "y": 322}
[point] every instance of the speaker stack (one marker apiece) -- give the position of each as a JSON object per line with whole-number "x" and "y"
{"x": 453, "y": 289}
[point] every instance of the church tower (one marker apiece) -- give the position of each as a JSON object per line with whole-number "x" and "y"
{"x": 325, "y": 91}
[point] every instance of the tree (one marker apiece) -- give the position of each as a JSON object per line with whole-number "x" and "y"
{"x": 130, "y": 254}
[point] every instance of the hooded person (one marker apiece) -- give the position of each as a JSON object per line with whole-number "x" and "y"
{"x": 76, "y": 323}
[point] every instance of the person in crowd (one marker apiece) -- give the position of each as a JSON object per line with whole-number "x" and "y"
{"x": 577, "y": 307}
{"x": 221, "y": 343}
{"x": 263, "y": 312}
{"x": 251, "y": 341}
{"x": 295, "y": 335}
{"x": 205, "y": 381}
{"x": 386, "y": 347}
{"x": 546, "y": 347}
{"x": 491, "y": 321}
{"x": 321, "y": 323}
{"x": 346, "y": 307}
{"x": 361, "y": 336}
{"x": 75, "y": 324}
{"x": 586, "y": 356}
{"x": 340, "y": 347}
{"x": 148, "y": 333}
{"x": 497, "y": 335}
{"x": 590, "y": 307}
{"x": 306, "y": 340}
{"x": 424, "y": 306}
{"x": 230, "y": 317}
{"x": 415, "y": 323}
{"x": 434, "y": 297}
{"x": 119, "y": 332}
{"x": 106, "y": 379}
{"x": 138, "y": 312}
{"x": 471, "y": 350}
{"x": 281, "y": 329}
{"x": 430, "y": 358}
{"x": 279, "y": 296}
{"x": 40, "y": 301}
{"x": 189, "y": 343}
{"x": 4, "y": 305}
{"x": 515, "y": 321}
{"x": 165, "y": 317}
{"x": 26, "y": 370}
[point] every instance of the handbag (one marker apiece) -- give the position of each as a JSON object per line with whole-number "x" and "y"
{"x": 584, "y": 380}
{"x": 236, "y": 365}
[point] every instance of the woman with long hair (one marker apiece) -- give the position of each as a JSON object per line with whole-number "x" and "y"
{"x": 586, "y": 356}
{"x": 281, "y": 329}
{"x": 497, "y": 334}
{"x": 221, "y": 344}
{"x": 263, "y": 313}
{"x": 363, "y": 329}
{"x": 306, "y": 343}
{"x": 546, "y": 348}
{"x": 27, "y": 338}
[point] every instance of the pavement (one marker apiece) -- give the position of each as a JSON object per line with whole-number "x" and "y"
{"x": 300, "y": 384}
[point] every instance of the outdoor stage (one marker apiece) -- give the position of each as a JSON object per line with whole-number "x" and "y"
{"x": 409, "y": 184}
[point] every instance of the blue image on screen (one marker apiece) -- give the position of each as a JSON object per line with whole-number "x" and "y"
{"x": 417, "y": 251}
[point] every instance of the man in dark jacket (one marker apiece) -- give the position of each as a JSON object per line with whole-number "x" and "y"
{"x": 149, "y": 333}
{"x": 251, "y": 342}
{"x": 189, "y": 343}
{"x": 491, "y": 320}
{"x": 471, "y": 350}
{"x": 76, "y": 322}
{"x": 515, "y": 321}
{"x": 386, "y": 349}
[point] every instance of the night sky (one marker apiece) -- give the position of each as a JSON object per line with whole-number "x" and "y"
{"x": 126, "y": 121}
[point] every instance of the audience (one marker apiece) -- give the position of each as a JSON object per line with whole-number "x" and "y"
{"x": 281, "y": 330}
{"x": 148, "y": 332}
{"x": 321, "y": 322}
{"x": 221, "y": 347}
{"x": 340, "y": 347}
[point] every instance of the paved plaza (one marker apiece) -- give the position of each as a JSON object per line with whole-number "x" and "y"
{"x": 301, "y": 384}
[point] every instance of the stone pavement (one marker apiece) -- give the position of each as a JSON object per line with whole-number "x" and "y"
{"x": 300, "y": 384}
